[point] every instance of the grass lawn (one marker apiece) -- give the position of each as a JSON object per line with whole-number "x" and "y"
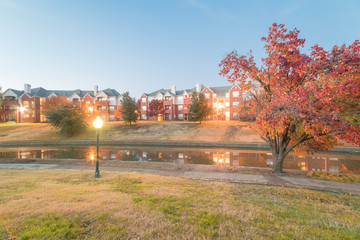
{"x": 57, "y": 204}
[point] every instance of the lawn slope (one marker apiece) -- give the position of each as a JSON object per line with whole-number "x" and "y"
{"x": 54, "y": 204}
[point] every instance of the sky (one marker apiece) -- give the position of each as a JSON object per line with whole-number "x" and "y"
{"x": 141, "y": 46}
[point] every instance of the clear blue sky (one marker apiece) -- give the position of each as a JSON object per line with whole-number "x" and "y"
{"x": 141, "y": 46}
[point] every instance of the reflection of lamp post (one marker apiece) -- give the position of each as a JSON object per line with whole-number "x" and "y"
{"x": 97, "y": 124}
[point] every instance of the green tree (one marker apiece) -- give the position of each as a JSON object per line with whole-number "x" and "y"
{"x": 68, "y": 118}
{"x": 199, "y": 108}
{"x": 129, "y": 108}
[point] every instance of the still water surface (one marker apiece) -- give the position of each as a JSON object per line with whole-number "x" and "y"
{"x": 330, "y": 162}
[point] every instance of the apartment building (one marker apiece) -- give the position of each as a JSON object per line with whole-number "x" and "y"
{"x": 225, "y": 101}
{"x": 26, "y": 105}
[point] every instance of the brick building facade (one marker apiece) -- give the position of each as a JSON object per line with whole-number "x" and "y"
{"x": 26, "y": 105}
{"x": 224, "y": 100}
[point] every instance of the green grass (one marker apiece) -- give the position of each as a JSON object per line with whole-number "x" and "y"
{"x": 50, "y": 204}
{"x": 335, "y": 177}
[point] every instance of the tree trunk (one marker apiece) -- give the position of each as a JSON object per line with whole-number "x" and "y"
{"x": 278, "y": 163}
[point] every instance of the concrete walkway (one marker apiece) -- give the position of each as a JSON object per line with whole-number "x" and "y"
{"x": 288, "y": 181}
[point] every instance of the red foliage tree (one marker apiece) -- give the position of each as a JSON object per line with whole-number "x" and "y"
{"x": 53, "y": 102}
{"x": 297, "y": 98}
{"x": 117, "y": 112}
{"x": 155, "y": 108}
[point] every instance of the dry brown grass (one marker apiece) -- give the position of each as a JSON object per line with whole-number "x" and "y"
{"x": 57, "y": 204}
{"x": 144, "y": 130}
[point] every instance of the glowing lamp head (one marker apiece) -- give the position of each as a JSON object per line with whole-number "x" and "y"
{"x": 91, "y": 109}
{"x": 22, "y": 109}
{"x": 98, "y": 122}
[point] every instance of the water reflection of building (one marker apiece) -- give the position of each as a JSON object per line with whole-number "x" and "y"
{"x": 327, "y": 162}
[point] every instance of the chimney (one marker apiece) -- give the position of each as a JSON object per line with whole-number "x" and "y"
{"x": 173, "y": 89}
{"x": 27, "y": 88}
{"x": 198, "y": 87}
{"x": 96, "y": 90}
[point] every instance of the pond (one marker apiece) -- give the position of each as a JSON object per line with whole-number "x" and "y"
{"x": 331, "y": 162}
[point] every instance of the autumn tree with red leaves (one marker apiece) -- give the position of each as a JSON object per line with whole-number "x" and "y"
{"x": 53, "y": 102}
{"x": 301, "y": 101}
{"x": 155, "y": 108}
{"x": 117, "y": 112}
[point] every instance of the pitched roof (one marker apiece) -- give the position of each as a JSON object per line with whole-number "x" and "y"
{"x": 162, "y": 91}
{"x": 42, "y": 92}
{"x": 17, "y": 92}
{"x": 111, "y": 92}
{"x": 221, "y": 91}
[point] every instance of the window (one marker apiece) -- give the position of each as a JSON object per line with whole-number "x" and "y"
{"x": 207, "y": 95}
{"x": 143, "y": 100}
{"x": 111, "y": 108}
{"x": 235, "y": 104}
{"x": 167, "y": 107}
{"x": 167, "y": 116}
{"x": 26, "y": 104}
{"x": 236, "y": 94}
{"x": 180, "y": 116}
{"x": 112, "y": 101}
{"x": 101, "y": 99}
{"x": 143, "y": 116}
{"x": 10, "y": 98}
{"x": 144, "y": 154}
{"x": 181, "y": 155}
{"x": 167, "y": 98}
{"x": 334, "y": 169}
{"x": 143, "y": 108}
{"x": 180, "y": 107}
{"x": 215, "y": 104}
{"x": 227, "y": 104}
{"x": 101, "y": 108}
{"x": 112, "y": 117}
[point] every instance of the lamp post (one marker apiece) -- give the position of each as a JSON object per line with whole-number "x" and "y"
{"x": 97, "y": 124}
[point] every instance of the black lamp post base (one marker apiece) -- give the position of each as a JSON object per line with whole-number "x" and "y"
{"x": 97, "y": 172}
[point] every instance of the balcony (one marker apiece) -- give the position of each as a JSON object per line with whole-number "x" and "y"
{"x": 10, "y": 102}
{"x": 101, "y": 103}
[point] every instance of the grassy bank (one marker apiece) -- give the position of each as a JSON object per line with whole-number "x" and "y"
{"x": 335, "y": 177}
{"x": 143, "y": 130}
{"x": 51, "y": 204}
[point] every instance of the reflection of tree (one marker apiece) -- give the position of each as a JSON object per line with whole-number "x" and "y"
{"x": 71, "y": 153}
{"x": 130, "y": 157}
{"x": 350, "y": 166}
{"x": 200, "y": 159}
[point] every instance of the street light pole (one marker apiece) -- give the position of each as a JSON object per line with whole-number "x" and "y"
{"x": 97, "y": 172}
{"x": 98, "y": 124}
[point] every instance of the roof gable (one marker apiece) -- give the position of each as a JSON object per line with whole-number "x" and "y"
{"x": 12, "y": 93}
